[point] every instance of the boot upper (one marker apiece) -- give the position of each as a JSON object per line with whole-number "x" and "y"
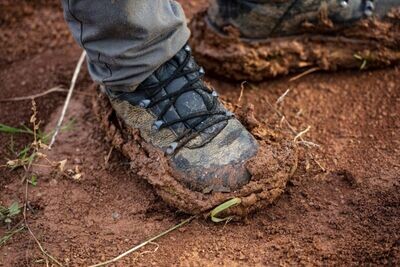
{"x": 178, "y": 113}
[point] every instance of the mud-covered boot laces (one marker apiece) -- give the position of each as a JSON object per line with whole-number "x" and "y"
{"x": 208, "y": 118}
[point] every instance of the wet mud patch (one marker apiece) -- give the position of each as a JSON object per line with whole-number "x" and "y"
{"x": 271, "y": 169}
{"x": 367, "y": 44}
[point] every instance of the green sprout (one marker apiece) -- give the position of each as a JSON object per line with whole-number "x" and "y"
{"x": 8, "y": 213}
{"x": 224, "y": 206}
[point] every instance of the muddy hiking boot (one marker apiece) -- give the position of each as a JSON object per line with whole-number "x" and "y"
{"x": 179, "y": 137}
{"x": 177, "y": 113}
{"x": 265, "y": 18}
{"x": 257, "y": 39}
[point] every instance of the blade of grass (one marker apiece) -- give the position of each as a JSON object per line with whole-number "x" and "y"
{"x": 45, "y": 137}
{"x": 12, "y": 130}
{"x": 9, "y": 234}
{"x": 23, "y": 153}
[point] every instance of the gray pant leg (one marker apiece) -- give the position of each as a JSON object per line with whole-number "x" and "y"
{"x": 126, "y": 40}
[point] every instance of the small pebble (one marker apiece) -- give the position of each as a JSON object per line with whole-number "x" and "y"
{"x": 115, "y": 215}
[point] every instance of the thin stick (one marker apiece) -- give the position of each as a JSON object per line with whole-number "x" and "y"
{"x": 282, "y": 97}
{"x": 304, "y": 74}
{"x": 147, "y": 251}
{"x": 107, "y": 158}
{"x": 292, "y": 129}
{"x": 241, "y": 91}
{"x": 308, "y": 143}
{"x": 283, "y": 117}
{"x": 67, "y": 100}
{"x": 27, "y": 171}
{"x": 40, "y": 245}
{"x": 145, "y": 243}
{"x": 319, "y": 164}
{"x": 51, "y": 90}
{"x": 300, "y": 134}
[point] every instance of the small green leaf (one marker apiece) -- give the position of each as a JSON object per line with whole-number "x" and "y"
{"x": 224, "y": 206}
{"x": 14, "y": 209}
{"x": 33, "y": 180}
{"x": 22, "y": 153}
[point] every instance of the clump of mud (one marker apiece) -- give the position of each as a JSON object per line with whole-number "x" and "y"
{"x": 271, "y": 169}
{"x": 366, "y": 44}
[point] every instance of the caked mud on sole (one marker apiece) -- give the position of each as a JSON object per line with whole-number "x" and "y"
{"x": 271, "y": 169}
{"x": 366, "y": 44}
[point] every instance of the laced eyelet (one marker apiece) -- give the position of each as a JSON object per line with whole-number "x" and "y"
{"x": 144, "y": 103}
{"x": 157, "y": 125}
{"x": 194, "y": 84}
{"x": 171, "y": 148}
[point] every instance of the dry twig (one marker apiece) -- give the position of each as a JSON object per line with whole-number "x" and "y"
{"x": 295, "y": 134}
{"x": 51, "y": 90}
{"x": 241, "y": 92}
{"x": 308, "y": 143}
{"x": 68, "y": 99}
{"x": 304, "y": 74}
{"x": 30, "y": 231}
{"x": 282, "y": 97}
{"x": 36, "y": 147}
{"x": 107, "y": 158}
{"x": 145, "y": 243}
{"x": 300, "y": 134}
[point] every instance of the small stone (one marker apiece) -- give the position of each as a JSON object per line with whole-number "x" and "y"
{"x": 115, "y": 215}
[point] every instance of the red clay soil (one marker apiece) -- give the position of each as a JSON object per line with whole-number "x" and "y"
{"x": 347, "y": 213}
{"x": 323, "y": 46}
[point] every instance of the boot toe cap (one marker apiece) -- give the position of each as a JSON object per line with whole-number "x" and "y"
{"x": 220, "y": 165}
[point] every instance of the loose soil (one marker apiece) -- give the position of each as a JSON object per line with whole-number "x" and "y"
{"x": 342, "y": 206}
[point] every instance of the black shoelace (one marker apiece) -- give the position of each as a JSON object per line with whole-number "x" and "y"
{"x": 210, "y": 117}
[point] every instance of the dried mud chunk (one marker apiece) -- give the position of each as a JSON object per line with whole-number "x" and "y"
{"x": 366, "y": 44}
{"x": 271, "y": 168}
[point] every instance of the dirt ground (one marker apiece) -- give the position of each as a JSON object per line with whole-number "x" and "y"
{"x": 348, "y": 214}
